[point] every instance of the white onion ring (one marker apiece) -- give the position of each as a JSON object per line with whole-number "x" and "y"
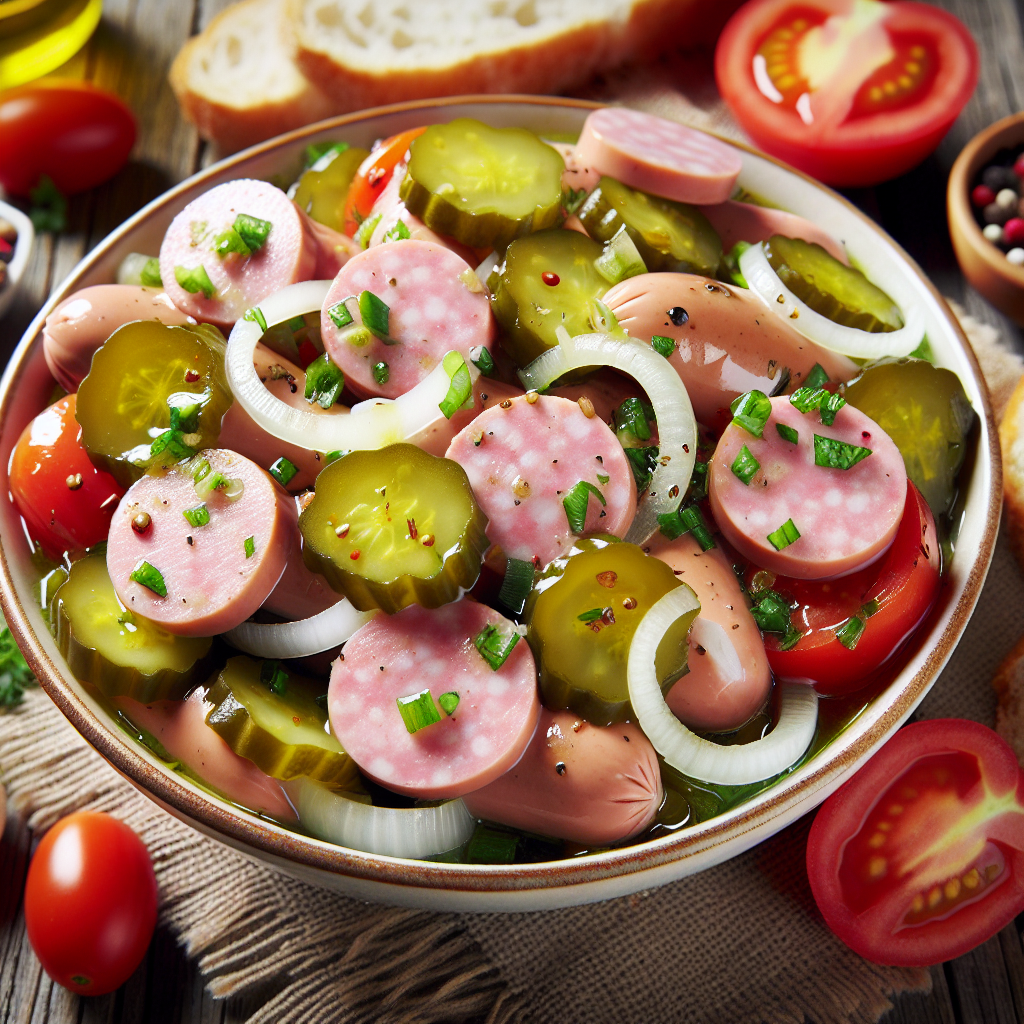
{"x": 698, "y": 758}
{"x": 320, "y": 632}
{"x": 372, "y": 424}
{"x": 677, "y": 427}
{"x": 848, "y": 341}
{"x": 414, "y": 832}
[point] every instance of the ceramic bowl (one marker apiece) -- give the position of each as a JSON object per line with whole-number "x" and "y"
{"x": 985, "y": 265}
{"x": 26, "y": 385}
{"x": 22, "y": 249}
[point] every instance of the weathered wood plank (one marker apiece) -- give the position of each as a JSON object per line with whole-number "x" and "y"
{"x": 934, "y": 1007}
{"x": 981, "y": 987}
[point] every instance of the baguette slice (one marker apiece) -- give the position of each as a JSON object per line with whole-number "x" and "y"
{"x": 237, "y": 80}
{"x": 364, "y": 54}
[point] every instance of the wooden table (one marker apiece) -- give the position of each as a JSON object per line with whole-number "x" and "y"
{"x": 130, "y": 54}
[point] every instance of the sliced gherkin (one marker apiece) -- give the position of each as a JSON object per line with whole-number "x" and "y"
{"x": 841, "y": 293}
{"x": 271, "y": 716}
{"x": 119, "y": 652}
{"x": 483, "y": 186}
{"x": 322, "y": 189}
{"x": 669, "y": 236}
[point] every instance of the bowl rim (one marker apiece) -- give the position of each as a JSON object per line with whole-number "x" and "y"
{"x": 244, "y": 830}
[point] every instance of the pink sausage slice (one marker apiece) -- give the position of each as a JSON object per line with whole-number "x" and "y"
{"x": 577, "y": 781}
{"x": 300, "y": 592}
{"x": 84, "y": 321}
{"x": 431, "y": 311}
{"x": 846, "y": 518}
{"x": 576, "y": 175}
{"x": 396, "y": 656}
{"x": 522, "y": 459}
{"x": 727, "y": 344}
{"x": 606, "y": 390}
{"x": 745, "y": 222}
{"x": 212, "y": 583}
{"x": 240, "y": 282}
{"x": 728, "y": 679}
{"x": 436, "y": 437}
{"x": 333, "y": 249}
{"x": 658, "y": 156}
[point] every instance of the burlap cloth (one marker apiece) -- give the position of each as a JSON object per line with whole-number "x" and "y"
{"x": 740, "y": 943}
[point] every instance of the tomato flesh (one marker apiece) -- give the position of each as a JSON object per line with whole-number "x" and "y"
{"x": 373, "y": 176}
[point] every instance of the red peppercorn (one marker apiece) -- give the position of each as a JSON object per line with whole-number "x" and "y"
{"x": 982, "y": 195}
{"x": 1018, "y": 166}
{"x": 550, "y": 278}
{"x": 1013, "y": 231}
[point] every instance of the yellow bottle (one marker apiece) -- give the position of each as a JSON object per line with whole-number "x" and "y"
{"x": 37, "y": 36}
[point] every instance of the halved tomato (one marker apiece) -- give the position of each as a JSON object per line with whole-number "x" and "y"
{"x": 920, "y": 856}
{"x": 372, "y": 177}
{"x": 851, "y": 91}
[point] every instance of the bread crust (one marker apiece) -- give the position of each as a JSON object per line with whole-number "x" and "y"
{"x": 1009, "y": 686}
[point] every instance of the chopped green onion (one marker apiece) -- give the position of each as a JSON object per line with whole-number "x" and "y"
{"x": 460, "y": 391}
{"x": 572, "y": 199}
{"x": 591, "y": 616}
{"x": 869, "y": 608}
{"x": 195, "y": 280}
{"x": 230, "y": 241}
{"x": 340, "y": 314}
{"x": 283, "y": 471}
{"x": 817, "y": 377}
{"x": 662, "y": 345}
{"x": 206, "y": 482}
{"x": 375, "y": 313}
{"x": 790, "y": 640}
{"x": 318, "y": 152}
{"x": 171, "y": 441}
{"x": 274, "y": 677}
{"x": 491, "y": 846}
{"x": 484, "y": 362}
{"x": 850, "y": 632}
{"x": 516, "y": 586}
{"x": 731, "y": 259}
{"x": 398, "y": 232}
{"x": 631, "y": 416}
{"x": 787, "y": 433}
{"x": 642, "y": 461}
{"x": 256, "y": 316}
{"x": 924, "y": 351}
{"x": 252, "y": 230}
{"x": 771, "y": 612}
{"x": 296, "y": 324}
{"x": 785, "y": 535}
{"x": 381, "y": 373}
{"x": 150, "y": 577}
{"x": 197, "y": 516}
{"x": 418, "y": 710}
{"x": 333, "y": 456}
{"x": 493, "y": 647}
{"x": 834, "y": 454}
{"x": 620, "y": 259}
{"x": 250, "y": 547}
{"x": 698, "y": 486}
{"x": 185, "y": 417}
{"x": 575, "y": 504}
{"x": 805, "y": 399}
{"x": 602, "y": 318}
{"x": 693, "y": 520}
{"x": 603, "y": 478}
{"x": 745, "y": 466}
{"x": 366, "y": 230}
{"x": 150, "y": 273}
{"x": 324, "y": 381}
{"x": 751, "y": 412}
{"x": 449, "y": 702}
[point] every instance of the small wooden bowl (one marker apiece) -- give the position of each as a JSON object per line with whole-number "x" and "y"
{"x": 985, "y": 265}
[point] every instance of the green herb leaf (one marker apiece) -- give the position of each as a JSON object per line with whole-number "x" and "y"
{"x": 590, "y": 616}
{"x": 642, "y": 461}
{"x": 274, "y": 677}
{"x": 381, "y": 373}
{"x": 850, "y": 632}
{"x": 460, "y": 391}
{"x": 575, "y": 504}
{"x": 150, "y": 577}
{"x": 484, "y": 362}
{"x": 170, "y": 441}
{"x": 375, "y": 313}
{"x": 751, "y": 412}
{"x": 572, "y": 199}
{"x": 686, "y": 520}
{"x": 449, "y": 702}
{"x": 230, "y": 241}
{"x": 149, "y": 276}
{"x": 317, "y": 151}
{"x": 731, "y": 260}
{"x": 745, "y": 466}
{"x": 15, "y": 675}
{"x": 834, "y": 454}
{"x": 49, "y": 211}
{"x": 256, "y": 316}
{"x": 250, "y": 547}
{"x": 785, "y": 535}
{"x": 697, "y": 489}
{"x": 771, "y": 612}
{"x": 324, "y": 381}
{"x": 662, "y": 345}
{"x": 398, "y": 232}
{"x": 869, "y": 608}
{"x": 806, "y": 399}
{"x": 197, "y": 516}
{"x": 791, "y": 639}
{"x": 493, "y": 647}
{"x": 632, "y": 417}
{"x": 787, "y": 433}
{"x": 283, "y": 471}
{"x": 817, "y": 378}
{"x": 195, "y": 280}
{"x": 252, "y": 231}
{"x": 924, "y": 351}
{"x": 340, "y": 314}
{"x": 516, "y": 586}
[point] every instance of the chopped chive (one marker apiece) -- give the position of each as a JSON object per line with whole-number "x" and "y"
{"x": 381, "y": 373}
{"x": 631, "y": 416}
{"x": 620, "y": 258}
{"x": 850, "y": 632}
{"x": 731, "y": 259}
{"x": 252, "y": 230}
{"x": 484, "y": 362}
{"x": 642, "y": 461}
{"x": 590, "y": 616}
{"x": 274, "y": 677}
{"x": 771, "y": 612}
{"x": 283, "y": 471}
{"x": 340, "y": 314}
{"x": 693, "y": 521}
{"x": 751, "y": 412}
{"x": 869, "y": 608}
{"x": 150, "y": 577}
{"x": 256, "y": 316}
{"x": 398, "y": 232}
{"x": 460, "y": 391}
{"x": 375, "y": 313}
{"x": 817, "y": 377}
{"x": 170, "y": 441}
{"x": 296, "y": 324}
{"x": 195, "y": 280}
{"x": 785, "y": 535}
{"x": 834, "y": 454}
{"x": 230, "y": 241}
{"x": 791, "y": 639}
{"x": 745, "y": 466}
{"x": 366, "y": 229}
{"x": 575, "y": 504}
{"x": 449, "y": 702}
{"x": 516, "y": 586}
{"x": 662, "y": 345}
{"x": 185, "y": 417}
{"x": 197, "y": 516}
{"x": 150, "y": 273}
{"x": 418, "y": 710}
{"x": 923, "y": 351}
{"x": 572, "y": 199}
{"x": 493, "y": 647}
{"x": 324, "y": 381}
{"x": 250, "y": 547}
{"x": 317, "y": 152}
{"x": 787, "y": 433}
{"x": 603, "y": 478}
{"x": 491, "y": 846}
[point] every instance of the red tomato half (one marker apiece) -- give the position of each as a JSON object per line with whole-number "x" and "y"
{"x": 372, "y": 177}
{"x": 904, "y": 586}
{"x": 90, "y": 902}
{"x": 852, "y": 103}
{"x": 61, "y": 514}
{"x": 73, "y": 132}
{"x": 920, "y": 856}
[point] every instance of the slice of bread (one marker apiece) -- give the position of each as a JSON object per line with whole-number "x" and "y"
{"x": 1009, "y": 686}
{"x": 237, "y": 80}
{"x": 363, "y": 53}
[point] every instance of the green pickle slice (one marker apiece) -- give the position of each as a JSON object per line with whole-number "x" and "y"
{"x": 394, "y": 527}
{"x": 322, "y": 189}
{"x": 483, "y": 186}
{"x": 581, "y": 617}
{"x": 119, "y": 652}
{"x": 546, "y": 281}
{"x": 271, "y": 716}
{"x": 669, "y": 236}
{"x": 841, "y": 293}
{"x": 153, "y": 396}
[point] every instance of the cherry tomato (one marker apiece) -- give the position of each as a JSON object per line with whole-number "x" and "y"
{"x": 920, "y": 856}
{"x": 72, "y": 132}
{"x": 90, "y": 902}
{"x": 852, "y": 101}
{"x": 64, "y": 499}
{"x": 372, "y": 177}
{"x": 889, "y": 598}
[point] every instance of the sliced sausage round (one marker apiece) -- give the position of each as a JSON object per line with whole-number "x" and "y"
{"x": 395, "y": 657}
{"x": 238, "y": 282}
{"x": 523, "y": 458}
{"x": 333, "y": 249}
{"x": 658, "y": 156}
{"x": 586, "y": 783}
{"x": 215, "y": 574}
{"x": 300, "y": 592}
{"x": 845, "y": 518}
{"x": 436, "y": 437}
{"x": 745, "y": 222}
{"x": 432, "y": 309}
{"x": 577, "y": 175}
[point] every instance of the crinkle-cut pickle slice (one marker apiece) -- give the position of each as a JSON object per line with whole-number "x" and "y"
{"x": 581, "y": 617}
{"x": 271, "y": 717}
{"x": 322, "y": 189}
{"x": 670, "y": 236}
{"x": 394, "y": 527}
{"x": 546, "y": 281}
{"x": 841, "y": 293}
{"x": 119, "y": 652}
{"x": 483, "y": 186}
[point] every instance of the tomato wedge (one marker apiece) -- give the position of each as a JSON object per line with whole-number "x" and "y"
{"x": 372, "y": 177}
{"x": 851, "y": 91}
{"x": 920, "y": 856}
